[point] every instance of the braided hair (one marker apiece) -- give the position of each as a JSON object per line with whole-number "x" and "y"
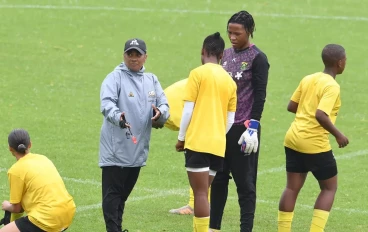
{"x": 214, "y": 45}
{"x": 245, "y": 19}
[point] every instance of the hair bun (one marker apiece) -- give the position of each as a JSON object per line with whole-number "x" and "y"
{"x": 217, "y": 35}
{"x": 22, "y": 147}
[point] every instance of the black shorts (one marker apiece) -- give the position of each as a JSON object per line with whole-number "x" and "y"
{"x": 25, "y": 225}
{"x": 195, "y": 159}
{"x": 322, "y": 165}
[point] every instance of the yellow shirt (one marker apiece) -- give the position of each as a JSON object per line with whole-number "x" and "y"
{"x": 37, "y": 185}
{"x": 213, "y": 91}
{"x": 174, "y": 94}
{"x": 316, "y": 91}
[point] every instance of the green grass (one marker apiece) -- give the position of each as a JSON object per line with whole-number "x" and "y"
{"x": 52, "y": 63}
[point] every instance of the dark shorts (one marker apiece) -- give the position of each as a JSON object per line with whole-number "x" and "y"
{"x": 322, "y": 165}
{"x": 25, "y": 225}
{"x": 195, "y": 159}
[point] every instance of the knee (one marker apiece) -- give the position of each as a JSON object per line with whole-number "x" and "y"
{"x": 332, "y": 189}
{"x": 293, "y": 189}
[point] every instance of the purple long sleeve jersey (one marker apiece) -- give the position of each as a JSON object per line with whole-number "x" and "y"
{"x": 249, "y": 69}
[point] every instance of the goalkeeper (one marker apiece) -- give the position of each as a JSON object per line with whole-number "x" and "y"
{"x": 248, "y": 66}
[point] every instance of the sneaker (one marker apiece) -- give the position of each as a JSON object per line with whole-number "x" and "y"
{"x": 125, "y": 230}
{"x": 185, "y": 210}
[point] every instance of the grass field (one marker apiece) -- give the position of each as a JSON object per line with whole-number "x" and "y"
{"x": 55, "y": 54}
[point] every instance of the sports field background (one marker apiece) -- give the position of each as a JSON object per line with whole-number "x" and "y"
{"x": 55, "y": 54}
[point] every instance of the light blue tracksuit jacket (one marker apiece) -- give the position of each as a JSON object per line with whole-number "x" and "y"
{"x": 132, "y": 93}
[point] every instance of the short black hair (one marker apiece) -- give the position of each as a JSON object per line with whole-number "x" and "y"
{"x": 19, "y": 140}
{"x": 214, "y": 44}
{"x": 244, "y": 18}
{"x": 331, "y": 54}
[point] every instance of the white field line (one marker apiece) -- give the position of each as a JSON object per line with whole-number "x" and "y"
{"x": 352, "y": 155}
{"x": 164, "y": 193}
{"x": 159, "y": 194}
{"x": 183, "y": 11}
{"x": 271, "y": 170}
{"x": 183, "y": 192}
{"x": 349, "y": 211}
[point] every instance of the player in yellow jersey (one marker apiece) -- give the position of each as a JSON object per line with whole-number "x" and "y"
{"x": 208, "y": 113}
{"x": 37, "y": 189}
{"x": 316, "y": 102}
{"x": 175, "y": 94}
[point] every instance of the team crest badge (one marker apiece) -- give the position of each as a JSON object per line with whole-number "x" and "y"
{"x": 243, "y": 66}
{"x": 151, "y": 94}
{"x": 131, "y": 94}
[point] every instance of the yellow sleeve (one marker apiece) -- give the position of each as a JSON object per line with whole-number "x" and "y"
{"x": 297, "y": 93}
{"x": 192, "y": 87}
{"x": 16, "y": 188}
{"x": 328, "y": 99}
{"x": 15, "y": 216}
{"x": 232, "y": 103}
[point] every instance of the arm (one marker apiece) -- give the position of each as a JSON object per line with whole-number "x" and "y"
{"x": 295, "y": 98}
{"x": 109, "y": 96}
{"x": 185, "y": 119}
{"x": 259, "y": 80}
{"x": 292, "y": 107}
{"x": 324, "y": 109}
{"x": 16, "y": 194}
{"x": 231, "y": 108}
{"x": 12, "y": 208}
{"x": 161, "y": 103}
{"x": 230, "y": 120}
{"x": 326, "y": 123}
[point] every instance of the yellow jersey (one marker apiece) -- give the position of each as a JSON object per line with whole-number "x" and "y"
{"x": 213, "y": 92}
{"x": 316, "y": 91}
{"x": 174, "y": 94}
{"x": 37, "y": 185}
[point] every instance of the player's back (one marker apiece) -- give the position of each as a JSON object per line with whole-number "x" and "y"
{"x": 44, "y": 197}
{"x": 174, "y": 94}
{"x": 214, "y": 93}
{"x": 306, "y": 134}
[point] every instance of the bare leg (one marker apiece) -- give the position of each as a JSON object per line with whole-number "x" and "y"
{"x": 295, "y": 182}
{"x": 327, "y": 195}
{"x": 11, "y": 227}
{"x": 199, "y": 181}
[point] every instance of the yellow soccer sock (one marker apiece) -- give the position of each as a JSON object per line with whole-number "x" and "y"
{"x": 191, "y": 197}
{"x": 284, "y": 221}
{"x": 319, "y": 220}
{"x": 201, "y": 224}
{"x": 15, "y": 216}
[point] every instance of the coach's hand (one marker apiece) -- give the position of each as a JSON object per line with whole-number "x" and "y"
{"x": 123, "y": 123}
{"x": 156, "y": 113}
{"x": 249, "y": 139}
{"x": 180, "y": 146}
{"x": 342, "y": 140}
{"x": 157, "y": 125}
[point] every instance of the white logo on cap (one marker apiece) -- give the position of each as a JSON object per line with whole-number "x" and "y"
{"x": 134, "y": 42}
